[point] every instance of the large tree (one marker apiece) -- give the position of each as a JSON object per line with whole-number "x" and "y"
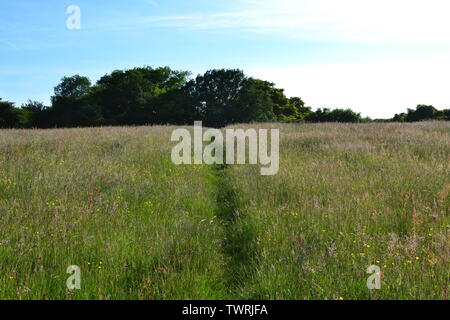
{"x": 254, "y": 103}
{"x": 222, "y": 97}
{"x": 215, "y": 95}
{"x": 72, "y": 103}
{"x": 133, "y": 96}
{"x": 422, "y": 112}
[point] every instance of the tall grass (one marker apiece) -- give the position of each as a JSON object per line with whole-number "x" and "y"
{"x": 348, "y": 197}
{"x": 110, "y": 201}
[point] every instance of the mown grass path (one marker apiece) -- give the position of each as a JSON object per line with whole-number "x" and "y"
{"x": 238, "y": 244}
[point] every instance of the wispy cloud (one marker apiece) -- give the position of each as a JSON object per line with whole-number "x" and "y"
{"x": 405, "y": 21}
{"x": 10, "y": 44}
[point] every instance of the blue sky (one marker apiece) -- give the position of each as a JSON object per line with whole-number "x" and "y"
{"x": 377, "y": 58}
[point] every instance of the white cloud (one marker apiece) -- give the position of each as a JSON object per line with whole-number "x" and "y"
{"x": 358, "y": 20}
{"x": 378, "y": 90}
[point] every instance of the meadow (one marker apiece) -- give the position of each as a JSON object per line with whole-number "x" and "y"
{"x": 111, "y": 201}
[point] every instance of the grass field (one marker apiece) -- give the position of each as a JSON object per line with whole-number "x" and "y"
{"x": 110, "y": 200}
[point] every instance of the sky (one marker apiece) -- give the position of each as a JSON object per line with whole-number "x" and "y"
{"x": 375, "y": 57}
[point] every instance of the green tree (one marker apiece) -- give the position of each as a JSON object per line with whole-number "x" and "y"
{"x": 303, "y": 111}
{"x": 175, "y": 107}
{"x": 336, "y": 115}
{"x": 10, "y": 117}
{"x": 254, "y": 102}
{"x": 132, "y": 97}
{"x": 36, "y": 115}
{"x": 73, "y": 105}
{"x": 422, "y": 112}
{"x": 343, "y": 115}
{"x": 223, "y": 97}
{"x": 443, "y": 114}
{"x": 215, "y": 95}
{"x": 399, "y": 117}
{"x": 282, "y": 108}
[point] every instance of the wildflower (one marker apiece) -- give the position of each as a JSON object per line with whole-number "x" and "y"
{"x": 148, "y": 203}
{"x": 53, "y": 203}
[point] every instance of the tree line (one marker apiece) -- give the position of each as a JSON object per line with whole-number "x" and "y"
{"x": 148, "y": 96}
